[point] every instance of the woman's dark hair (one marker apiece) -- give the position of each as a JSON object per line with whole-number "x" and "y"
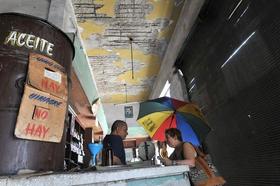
{"x": 172, "y": 132}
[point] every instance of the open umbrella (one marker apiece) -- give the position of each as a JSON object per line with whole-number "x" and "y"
{"x": 159, "y": 114}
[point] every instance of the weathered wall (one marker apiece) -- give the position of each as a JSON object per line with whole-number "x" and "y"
{"x": 178, "y": 87}
{"x": 31, "y": 7}
{"x": 58, "y": 12}
{"x": 184, "y": 24}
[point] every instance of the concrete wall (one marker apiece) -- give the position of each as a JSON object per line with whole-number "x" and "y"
{"x": 31, "y": 7}
{"x": 184, "y": 24}
{"x": 58, "y": 12}
{"x": 178, "y": 88}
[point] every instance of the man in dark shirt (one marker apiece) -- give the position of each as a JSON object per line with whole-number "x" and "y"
{"x": 115, "y": 141}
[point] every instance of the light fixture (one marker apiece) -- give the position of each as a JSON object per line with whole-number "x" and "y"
{"x": 94, "y": 106}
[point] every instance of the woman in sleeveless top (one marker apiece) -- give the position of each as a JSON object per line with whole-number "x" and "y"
{"x": 183, "y": 154}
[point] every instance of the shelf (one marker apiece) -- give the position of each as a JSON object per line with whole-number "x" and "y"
{"x": 74, "y": 146}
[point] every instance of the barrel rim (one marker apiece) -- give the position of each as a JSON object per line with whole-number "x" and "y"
{"x": 46, "y": 22}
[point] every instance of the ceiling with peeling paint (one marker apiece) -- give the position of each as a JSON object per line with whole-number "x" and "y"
{"x": 125, "y": 41}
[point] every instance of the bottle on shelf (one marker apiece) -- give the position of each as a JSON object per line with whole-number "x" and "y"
{"x": 100, "y": 139}
{"x": 99, "y": 155}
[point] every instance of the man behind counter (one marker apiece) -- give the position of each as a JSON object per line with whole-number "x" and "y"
{"x": 115, "y": 141}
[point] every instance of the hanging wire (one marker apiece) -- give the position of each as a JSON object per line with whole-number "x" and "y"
{"x": 131, "y": 55}
{"x": 125, "y": 92}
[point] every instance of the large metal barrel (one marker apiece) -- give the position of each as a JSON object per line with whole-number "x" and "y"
{"x": 19, "y": 154}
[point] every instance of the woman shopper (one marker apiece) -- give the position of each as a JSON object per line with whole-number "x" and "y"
{"x": 186, "y": 154}
{"x": 183, "y": 154}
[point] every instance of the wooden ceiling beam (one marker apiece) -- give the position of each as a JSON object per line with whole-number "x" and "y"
{"x": 79, "y": 102}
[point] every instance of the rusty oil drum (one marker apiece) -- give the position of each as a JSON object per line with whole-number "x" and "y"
{"x": 18, "y": 154}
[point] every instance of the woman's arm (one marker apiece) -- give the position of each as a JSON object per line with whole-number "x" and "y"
{"x": 189, "y": 155}
{"x": 116, "y": 161}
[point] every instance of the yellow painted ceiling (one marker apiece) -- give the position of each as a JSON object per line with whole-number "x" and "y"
{"x": 107, "y": 28}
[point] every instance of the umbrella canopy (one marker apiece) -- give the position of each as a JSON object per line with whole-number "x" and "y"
{"x": 159, "y": 114}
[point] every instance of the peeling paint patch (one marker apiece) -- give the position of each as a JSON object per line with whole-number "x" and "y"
{"x": 97, "y": 51}
{"x": 89, "y": 27}
{"x": 121, "y": 98}
{"x": 108, "y": 8}
{"x": 161, "y": 8}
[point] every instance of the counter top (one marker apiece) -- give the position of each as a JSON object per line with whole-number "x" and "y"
{"x": 104, "y": 175}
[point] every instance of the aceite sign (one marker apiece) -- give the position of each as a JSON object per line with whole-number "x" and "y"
{"x": 29, "y": 41}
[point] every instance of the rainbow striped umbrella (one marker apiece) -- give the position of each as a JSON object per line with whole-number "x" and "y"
{"x": 159, "y": 114}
